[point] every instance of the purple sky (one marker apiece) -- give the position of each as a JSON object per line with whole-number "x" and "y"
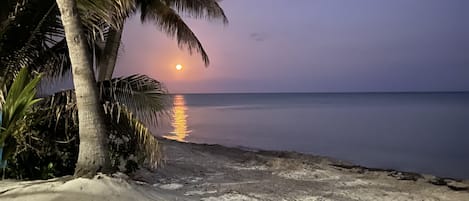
{"x": 312, "y": 46}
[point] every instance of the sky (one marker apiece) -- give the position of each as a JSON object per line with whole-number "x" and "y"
{"x": 311, "y": 46}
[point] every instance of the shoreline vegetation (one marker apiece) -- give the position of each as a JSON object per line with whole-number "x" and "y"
{"x": 214, "y": 172}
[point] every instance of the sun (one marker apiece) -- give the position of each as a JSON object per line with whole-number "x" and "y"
{"x": 179, "y": 67}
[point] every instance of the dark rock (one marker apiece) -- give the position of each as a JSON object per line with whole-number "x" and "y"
{"x": 437, "y": 181}
{"x": 405, "y": 175}
{"x": 457, "y": 186}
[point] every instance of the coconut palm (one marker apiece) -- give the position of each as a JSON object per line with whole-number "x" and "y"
{"x": 93, "y": 155}
{"x": 31, "y": 31}
{"x": 43, "y": 46}
{"x": 103, "y": 21}
{"x": 120, "y": 96}
{"x": 166, "y": 16}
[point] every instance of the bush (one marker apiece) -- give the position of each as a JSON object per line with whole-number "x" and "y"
{"x": 53, "y": 151}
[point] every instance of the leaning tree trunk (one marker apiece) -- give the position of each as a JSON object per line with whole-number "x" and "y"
{"x": 93, "y": 154}
{"x": 108, "y": 58}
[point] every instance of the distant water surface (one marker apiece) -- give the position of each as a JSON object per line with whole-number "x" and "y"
{"x": 421, "y": 132}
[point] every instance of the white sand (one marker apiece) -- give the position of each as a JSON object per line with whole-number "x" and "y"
{"x": 100, "y": 188}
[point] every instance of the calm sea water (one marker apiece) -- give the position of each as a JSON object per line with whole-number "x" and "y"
{"x": 421, "y": 132}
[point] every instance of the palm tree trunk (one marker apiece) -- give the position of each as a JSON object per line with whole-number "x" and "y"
{"x": 93, "y": 153}
{"x": 109, "y": 56}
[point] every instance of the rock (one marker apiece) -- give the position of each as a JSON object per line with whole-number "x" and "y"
{"x": 192, "y": 193}
{"x": 437, "y": 181}
{"x": 457, "y": 186}
{"x": 172, "y": 186}
{"x": 232, "y": 196}
{"x": 141, "y": 183}
{"x": 405, "y": 175}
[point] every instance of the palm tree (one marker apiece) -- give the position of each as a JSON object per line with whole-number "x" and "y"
{"x": 41, "y": 46}
{"x": 44, "y": 47}
{"x": 166, "y": 15}
{"x": 103, "y": 21}
{"x": 93, "y": 154}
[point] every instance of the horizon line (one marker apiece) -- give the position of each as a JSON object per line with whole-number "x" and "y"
{"x": 312, "y": 92}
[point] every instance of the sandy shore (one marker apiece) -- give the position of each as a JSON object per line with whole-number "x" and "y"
{"x": 213, "y": 172}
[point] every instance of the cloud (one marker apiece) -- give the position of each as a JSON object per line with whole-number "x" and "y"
{"x": 259, "y": 37}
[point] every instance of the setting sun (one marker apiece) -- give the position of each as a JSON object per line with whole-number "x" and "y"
{"x": 179, "y": 67}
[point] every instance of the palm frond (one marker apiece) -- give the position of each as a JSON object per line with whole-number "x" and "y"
{"x": 170, "y": 22}
{"x": 142, "y": 95}
{"x": 97, "y": 15}
{"x": 124, "y": 122}
{"x": 34, "y": 34}
{"x": 209, "y": 9}
{"x": 28, "y": 38}
{"x": 126, "y": 101}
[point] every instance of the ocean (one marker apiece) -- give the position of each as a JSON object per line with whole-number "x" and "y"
{"x": 418, "y": 132}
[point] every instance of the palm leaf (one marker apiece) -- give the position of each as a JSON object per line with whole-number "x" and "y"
{"x": 28, "y": 38}
{"x": 209, "y": 9}
{"x": 125, "y": 101}
{"x": 124, "y": 122}
{"x": 34, "y": 33}
{"x": 97, "y": 16}
{"x": 142, "y": 95}
{"x": 171, "y": 23}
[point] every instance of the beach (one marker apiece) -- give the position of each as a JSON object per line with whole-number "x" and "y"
{"x": 305, "y": 100}
{"x": 214, "y": 172}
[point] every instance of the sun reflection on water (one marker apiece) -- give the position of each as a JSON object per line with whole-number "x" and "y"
{"x": 179, "y": 120}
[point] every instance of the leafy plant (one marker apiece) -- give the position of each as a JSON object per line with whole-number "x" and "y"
{"x": 18, "y": 106}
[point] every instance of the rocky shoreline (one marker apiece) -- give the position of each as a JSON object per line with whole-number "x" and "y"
{"x": 214, "y": 172}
